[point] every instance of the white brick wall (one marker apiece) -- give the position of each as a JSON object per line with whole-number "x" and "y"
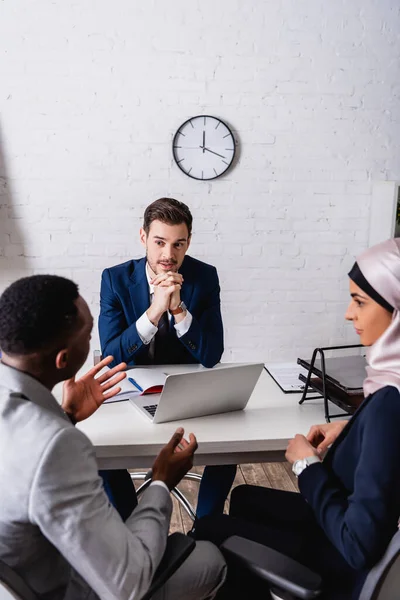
{"x": 92, "y": 92}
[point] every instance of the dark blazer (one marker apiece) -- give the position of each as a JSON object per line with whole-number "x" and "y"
{"x": 124, "y": 297}
{"x": 355, "y": 491}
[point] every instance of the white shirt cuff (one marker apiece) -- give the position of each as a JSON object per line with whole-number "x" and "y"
{"x": 161, "y": 483}
{"x": 145, "y": 329}
{"x": 183, "y": 326}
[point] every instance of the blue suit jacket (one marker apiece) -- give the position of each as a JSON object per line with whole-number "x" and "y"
{"x": 355, "y": 491}
{"x": 124, "y": 297}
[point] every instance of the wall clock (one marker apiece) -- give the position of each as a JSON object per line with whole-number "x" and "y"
{"x": 204, "y": 147}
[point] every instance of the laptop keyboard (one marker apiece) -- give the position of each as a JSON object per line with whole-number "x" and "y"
{"x": 151, "y": 409}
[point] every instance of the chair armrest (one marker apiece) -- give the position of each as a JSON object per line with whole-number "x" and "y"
{"x": 179, "y": 546}
{"x": 272, "y": 566}
{"x": 15, "y": 583}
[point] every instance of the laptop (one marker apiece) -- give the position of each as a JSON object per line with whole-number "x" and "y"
{"x": 200, "y": 393}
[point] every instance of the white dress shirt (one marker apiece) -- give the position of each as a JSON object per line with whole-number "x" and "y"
{"x": 161, "y": 483}
{"x": 145, "y": 327}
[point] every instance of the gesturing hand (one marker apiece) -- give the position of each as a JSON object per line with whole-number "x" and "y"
{"x": 175, "y": 459}
{"x": 82, "y": 397}
{"x": 322, "y": 436}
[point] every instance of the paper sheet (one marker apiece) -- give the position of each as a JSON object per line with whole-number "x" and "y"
{"x": 286, "y": 375}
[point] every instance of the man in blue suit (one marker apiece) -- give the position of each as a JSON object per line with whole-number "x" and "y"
{"x": 165, "y": 309}
{"x": 136, "y": 295}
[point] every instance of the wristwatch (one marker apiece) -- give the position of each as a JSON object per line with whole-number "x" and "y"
{"x": 180, "y": 308}
{"x": 299, "y": 465}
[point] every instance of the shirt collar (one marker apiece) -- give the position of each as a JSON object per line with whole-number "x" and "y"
{"x": 148, "y": 276}
{"x": 29, "y": 387}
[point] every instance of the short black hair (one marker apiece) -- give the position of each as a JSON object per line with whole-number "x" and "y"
{"x": 36, "y": 313}
{"x": 167, "y": 210}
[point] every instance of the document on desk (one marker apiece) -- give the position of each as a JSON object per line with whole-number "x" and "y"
{"x": 286, "y": 375}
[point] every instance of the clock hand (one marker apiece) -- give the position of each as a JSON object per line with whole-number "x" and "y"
{"x": 212, "y": 152}
{"x": 204, "y": 141}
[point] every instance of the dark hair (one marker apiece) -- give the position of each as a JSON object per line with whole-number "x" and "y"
{"x": 36, "y": 312}
{"x": 167, "y": 210}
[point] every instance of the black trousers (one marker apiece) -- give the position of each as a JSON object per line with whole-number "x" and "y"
{"x": 120, "y": 490}
{"x": 283, "y": 521}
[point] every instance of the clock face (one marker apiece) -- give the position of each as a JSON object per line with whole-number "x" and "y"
{"x": 204, "y": 147}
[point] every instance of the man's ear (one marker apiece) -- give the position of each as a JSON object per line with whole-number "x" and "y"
{"x": 143, "y": 236}
{"x": 62, "y": 359}
{"x": 188, "y": 242}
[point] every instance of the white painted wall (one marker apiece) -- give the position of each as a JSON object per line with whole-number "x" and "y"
{"x": 92, "y": 92}
{"x": 383, "y": 211}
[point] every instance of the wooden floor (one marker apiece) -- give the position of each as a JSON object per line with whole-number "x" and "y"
{"x": 274, "y": 475}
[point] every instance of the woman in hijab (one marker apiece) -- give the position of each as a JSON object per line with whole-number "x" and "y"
{"x": 349, "y": 503}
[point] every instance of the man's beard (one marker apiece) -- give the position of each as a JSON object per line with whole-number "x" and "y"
{"x": 155, "y": 267}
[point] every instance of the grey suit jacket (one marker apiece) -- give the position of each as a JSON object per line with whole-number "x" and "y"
{"x": 55, "y": 518}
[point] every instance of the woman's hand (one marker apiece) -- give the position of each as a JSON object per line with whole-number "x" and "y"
{"x": 82, "y": 397}
{"x": 298, "y": 448}
{"x": 322, "y": 436}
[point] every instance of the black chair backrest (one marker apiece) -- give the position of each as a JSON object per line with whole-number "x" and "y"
{"x": 15, "y": 583}
{"x": 383, "y": 581}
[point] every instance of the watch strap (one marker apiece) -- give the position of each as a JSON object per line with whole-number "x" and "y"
{"x": 180, "y": 308}
{"x": 299, "y": 465}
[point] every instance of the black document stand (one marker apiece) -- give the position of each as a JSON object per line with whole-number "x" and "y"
{"x": 328, "y": 388}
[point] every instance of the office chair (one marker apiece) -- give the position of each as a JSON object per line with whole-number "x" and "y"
{"x": 12, "y": 586}
{"x": 146, "y": 476}
{"x": 289, "y": 580}
{"x": 179, "y": 546}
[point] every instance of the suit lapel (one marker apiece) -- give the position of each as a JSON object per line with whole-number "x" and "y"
{"x": 188, "y": 283}
{"x": 139, "y": 288}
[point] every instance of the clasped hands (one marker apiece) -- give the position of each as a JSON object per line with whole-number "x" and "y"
{"x": 317, "y": 441}
{"x": 167, "y": 295}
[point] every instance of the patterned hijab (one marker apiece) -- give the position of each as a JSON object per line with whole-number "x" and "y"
{"x": 377, "y": 273}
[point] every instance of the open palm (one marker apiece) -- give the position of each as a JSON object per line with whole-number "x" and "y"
{"x": 82, "y": 397}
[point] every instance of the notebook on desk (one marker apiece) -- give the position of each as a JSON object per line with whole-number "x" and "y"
{"x": 139, "y": 381}
{"x": 200, "y": 393}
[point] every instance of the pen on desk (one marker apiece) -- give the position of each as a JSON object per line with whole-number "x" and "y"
{"x": 133, "y": 382}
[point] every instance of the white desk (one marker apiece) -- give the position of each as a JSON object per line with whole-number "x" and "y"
{"x": 123, "y": 438}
